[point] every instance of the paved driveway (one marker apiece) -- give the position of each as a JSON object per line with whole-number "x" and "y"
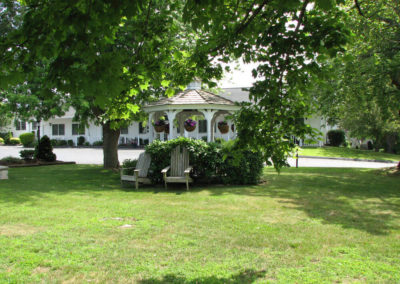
{"x": 95, "y": 156}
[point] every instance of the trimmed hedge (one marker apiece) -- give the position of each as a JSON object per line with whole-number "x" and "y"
{"x": 27, "y": 139}
{"x": 212, "y": 162}
{"x": 336, "y": 137}
{"x": 14, "y": 141}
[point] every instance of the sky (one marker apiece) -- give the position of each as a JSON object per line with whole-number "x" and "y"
{"x": 239, "y": 77}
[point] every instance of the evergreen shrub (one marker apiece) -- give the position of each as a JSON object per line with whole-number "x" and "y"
{"x": 336, "y": 137}
{"x": 27, "y": 154}
{"x": 44, "y": 150}
{"x": 81, "y": 140}
{"x": 98, "y": 143}
{"x": 27, "y": 139}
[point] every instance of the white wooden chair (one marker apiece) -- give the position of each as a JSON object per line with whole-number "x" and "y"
{"x": 140, "y": 171}
{"x": 179, "y": 167}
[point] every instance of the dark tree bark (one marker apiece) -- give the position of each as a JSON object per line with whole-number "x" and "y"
{"x": 110, "y": 147}
{"x": 390, "y": 142}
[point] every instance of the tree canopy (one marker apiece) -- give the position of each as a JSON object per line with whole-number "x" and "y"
{"x": 362, "y": 88}
{"x": 108, "y": 54}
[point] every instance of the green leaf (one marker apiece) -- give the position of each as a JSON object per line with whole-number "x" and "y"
{"x": 133, "y": 108}
{"x": 170, "y": 92}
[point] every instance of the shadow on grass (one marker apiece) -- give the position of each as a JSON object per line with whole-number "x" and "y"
{"x": 247, "y": 276}
{"x": 352, "y": 198}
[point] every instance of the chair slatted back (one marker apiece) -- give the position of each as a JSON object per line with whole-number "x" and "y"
{"x": 179, "y": 161}
{"x": 143, "y": 164}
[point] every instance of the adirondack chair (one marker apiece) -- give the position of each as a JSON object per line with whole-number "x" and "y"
{"x": 179, "y": 167}
{"x": 140, "y": 171}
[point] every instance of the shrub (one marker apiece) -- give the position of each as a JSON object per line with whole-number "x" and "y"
{"x": 336, "y": 137}
{"x": 240, "y": 165}
{"x": 44, "y": 150}
{"x": 70, "y": 143}
{"x": 62, "y": 143}
{"x": 11, "y": 160}
{"x": 27, "y": 154}
{"x": 370, "y": 146}
{"x": 211, "y": 161}
{"x": 204, "y": 157}
{"x": 86, "y": 144}
{"x": 1, "y": 140}
{"x": 98, "y": 143}
{"x": 81, "y": 140}
{"x": 27, "y": 139}
{"x": 14, "y": 141}
{"x": 6, "y": 136}
{"x": 129, "y": 163}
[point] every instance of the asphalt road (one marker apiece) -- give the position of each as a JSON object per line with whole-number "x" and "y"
{"x": 95, "y": 156}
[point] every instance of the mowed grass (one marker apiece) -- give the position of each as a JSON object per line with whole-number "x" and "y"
{"x": 77, "y": 224}
{"x": 341, "y": 152}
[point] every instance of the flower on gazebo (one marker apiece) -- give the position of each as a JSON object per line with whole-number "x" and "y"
{"x": 159, "y": 122}
{"x": 223, "y": 127}
{"x": 159, "y": 125}
{"x": 190, "y": 124}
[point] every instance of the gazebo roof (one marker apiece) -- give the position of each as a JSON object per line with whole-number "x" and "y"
{"x": 193, "y": 97}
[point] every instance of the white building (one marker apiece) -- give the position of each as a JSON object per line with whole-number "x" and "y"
{"x": 208, "y": 107}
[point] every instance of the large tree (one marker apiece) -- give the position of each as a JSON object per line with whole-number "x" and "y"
{"x": 361, "y": 92}
{"x": 106, "y": 53}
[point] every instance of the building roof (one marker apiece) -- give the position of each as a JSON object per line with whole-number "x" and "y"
{"x": 193, "y": 97}
{"x": 235, "y": 94}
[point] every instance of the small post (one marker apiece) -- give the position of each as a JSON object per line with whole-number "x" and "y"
{"x": 297, "y": 158}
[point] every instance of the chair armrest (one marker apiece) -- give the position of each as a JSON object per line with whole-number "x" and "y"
{"x": 188, "y": 170}
{"x": 164, "y": 171}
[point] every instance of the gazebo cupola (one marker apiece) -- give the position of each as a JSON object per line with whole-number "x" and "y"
{"x": 191, "y": 102}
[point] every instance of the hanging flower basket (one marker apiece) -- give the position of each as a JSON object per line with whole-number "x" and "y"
{"x": 223, "y": 127}
{"x": 159, "y": 125}
{"x": 190, "y": 125}
{"x": 166, "y": 128}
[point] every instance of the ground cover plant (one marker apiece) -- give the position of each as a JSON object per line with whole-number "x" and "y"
{"x": 76, "y": 223}
{"x": 343, "y": 152}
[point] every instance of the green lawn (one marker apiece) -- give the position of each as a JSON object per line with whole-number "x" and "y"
{"x": 65, "y": 224}
{"x": 341, "y": 152}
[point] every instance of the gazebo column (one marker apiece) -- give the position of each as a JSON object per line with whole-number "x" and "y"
{"x": 171, "y": 116}
{"x": 208, "y": 115}
{"x": 151, "y": 128}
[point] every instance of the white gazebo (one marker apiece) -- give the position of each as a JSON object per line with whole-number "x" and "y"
{"x": 191, "y": 102}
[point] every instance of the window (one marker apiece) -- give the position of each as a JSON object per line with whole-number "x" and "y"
{"x": 142, "y": 129}
{"x": 124, "y": 130}
{"x": 34, "y": 125}
{"x": 20, "y": 125}
{"x": 58, "y": 129}
{"x": 202, "y": 126}
{"x": 78, "y": 129}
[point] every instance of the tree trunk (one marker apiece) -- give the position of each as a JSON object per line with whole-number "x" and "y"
{"x": 110, "y": 147}
{"x": 390, "y": 142}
